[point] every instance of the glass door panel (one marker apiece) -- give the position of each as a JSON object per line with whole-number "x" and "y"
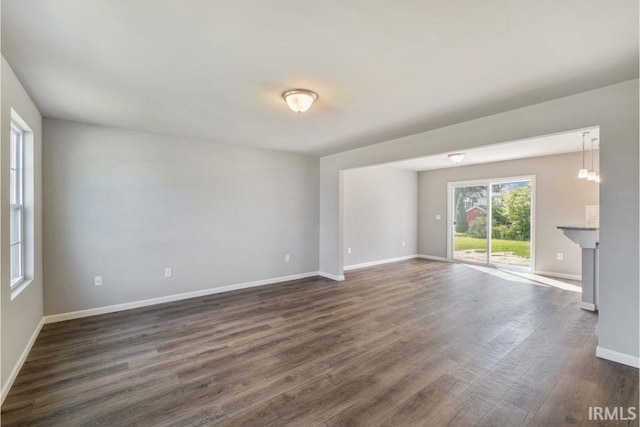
{"x": 470, "y": 241}
{"x": 511, "y": 224}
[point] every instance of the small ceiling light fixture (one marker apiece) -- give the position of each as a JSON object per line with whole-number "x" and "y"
{"x": 592, "y": 173}
{"x": 457, "y": 158}
{"x": 583, "y": 173}
{"x": 299, "y": 100}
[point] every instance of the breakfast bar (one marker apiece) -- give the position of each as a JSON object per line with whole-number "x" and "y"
{"x": 587, "y": 238}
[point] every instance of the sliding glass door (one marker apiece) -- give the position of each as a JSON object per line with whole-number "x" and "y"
{"x": 491, "y": 222}
{"x": 470, "y": 241}
{"x": 511, "y": 224}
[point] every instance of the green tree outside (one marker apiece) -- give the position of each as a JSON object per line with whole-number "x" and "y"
{"x": 478, "y": 227}
{"x": 462, "y": 225}
{"x": 511, "y": 215}
{"x": 517, "y": 208}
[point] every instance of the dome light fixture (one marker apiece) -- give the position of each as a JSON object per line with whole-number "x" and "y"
{"x": 457, "y": 158}
{"x": 299, "y": 100}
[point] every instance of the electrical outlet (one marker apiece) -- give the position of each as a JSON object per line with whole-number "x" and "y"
{"x": 348, "y": 250}
{"x": 287, "y": 258}
{"x": 560, "y": 256}
{"x": 97, "y": 281}
{"x": 167, "y": 272}
{"x": 438, "y": 217}
{"x": 404, "y": 244}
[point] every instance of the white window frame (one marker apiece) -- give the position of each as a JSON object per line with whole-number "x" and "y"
{"x": 16, "y": 197}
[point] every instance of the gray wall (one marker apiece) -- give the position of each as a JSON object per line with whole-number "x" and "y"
{"x": 22, "y": 315}
{"x": 613, "y": 108}
{"x": 380, "y": 212}
{"x": 125, "y": 205}
{"x": 561, "y": 199}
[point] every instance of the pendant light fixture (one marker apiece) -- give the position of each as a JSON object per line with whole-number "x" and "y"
{"x": 299, "y": 100}
{"x": 592, "y": 173}
{"x": 583, "y": 173}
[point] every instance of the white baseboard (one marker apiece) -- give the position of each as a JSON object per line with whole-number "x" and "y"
{"x": 379, "y": 262}
{"x": 160, "y": 300}
{"x": 331, "y": 276}
{"x": 587, "y": 306}
{"x": 23, "y": 357}
{"x": 625, "y": 359}
{"x": 433, "y": 258}
{"x": 559, "y": 275}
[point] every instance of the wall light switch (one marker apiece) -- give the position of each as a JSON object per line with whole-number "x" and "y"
{"x": 167, "y": 272}
{"x": 438, "y": 217}
{"x": 287, "y": 258}
{"x": 404, "y": 244}
{"x": 97, "y": 281}
{"x": 560, "y": 256}
{"x": 348, "y": 250}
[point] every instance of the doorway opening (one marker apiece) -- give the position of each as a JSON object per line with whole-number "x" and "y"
{"x": 491, "y": 222}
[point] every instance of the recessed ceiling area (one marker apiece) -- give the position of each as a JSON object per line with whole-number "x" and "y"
{"x": 547, "y": 145}
{"x": 383, "y": 70}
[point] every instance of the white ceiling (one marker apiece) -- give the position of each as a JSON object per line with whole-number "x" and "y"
{"x": 215, "y": 69}
{"x": 548, "y": 145}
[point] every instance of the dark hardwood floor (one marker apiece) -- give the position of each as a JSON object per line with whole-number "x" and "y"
{"x": 410, "y": 343}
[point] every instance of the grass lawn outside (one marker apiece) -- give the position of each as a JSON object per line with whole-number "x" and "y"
{"x": 465, "y": 243}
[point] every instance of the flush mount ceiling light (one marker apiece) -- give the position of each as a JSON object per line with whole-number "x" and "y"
{"x": 299, "y": 100}
{"x": 457, "y": 158}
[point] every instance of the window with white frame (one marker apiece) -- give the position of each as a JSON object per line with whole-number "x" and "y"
{"x": 16, "y": 200}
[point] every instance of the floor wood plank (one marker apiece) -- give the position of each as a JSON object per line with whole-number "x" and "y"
{"x": 410, "y": 343}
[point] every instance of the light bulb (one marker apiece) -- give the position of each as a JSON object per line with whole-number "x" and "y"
{"x": 592, "y": 176}
{"x": 598, "y": 179}
{"x": 584, "y": 173}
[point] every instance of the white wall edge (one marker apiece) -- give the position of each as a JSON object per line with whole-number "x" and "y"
{"x": 331, "y": 276}
{"x": 23, "y": 357}
{"x": 559, "y": 275}
{"x": 170, "y": 298}
{"x": 615, "y": 356}
{"x": 382, "y": 261}
{"x": 433, "y": 258}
